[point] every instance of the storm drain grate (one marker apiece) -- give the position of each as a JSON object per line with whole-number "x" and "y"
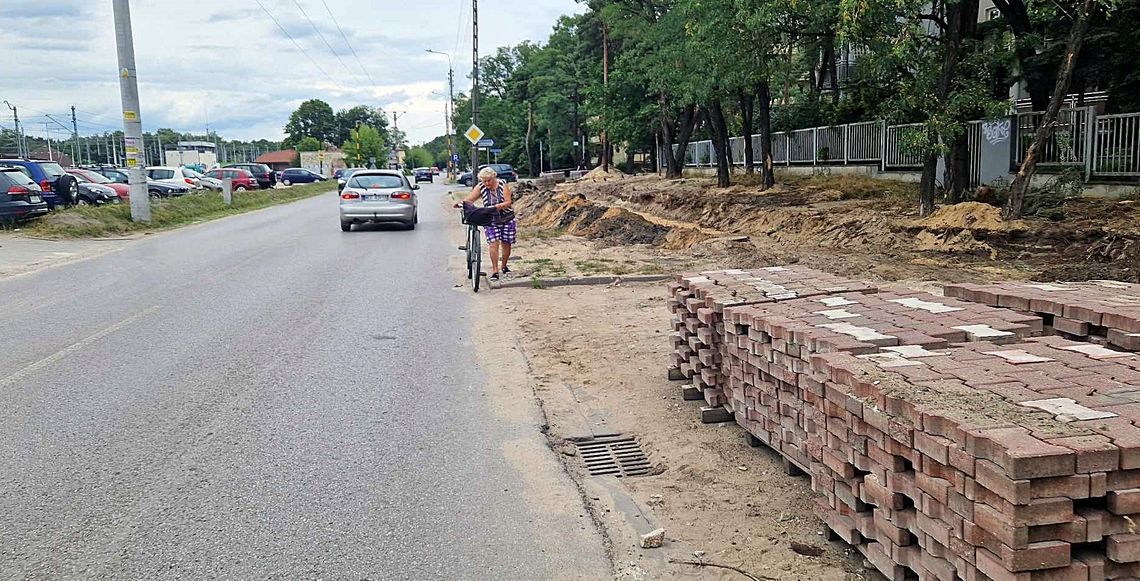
{"x": 613, "y": 455}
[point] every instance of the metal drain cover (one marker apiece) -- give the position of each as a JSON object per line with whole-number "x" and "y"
{"x": 616, "y": 455}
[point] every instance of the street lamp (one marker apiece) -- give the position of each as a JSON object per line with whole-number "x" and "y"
{"x": 451, "y": 110}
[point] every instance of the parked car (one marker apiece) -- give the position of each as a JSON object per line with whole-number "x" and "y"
{"x": 165, "y": 190}
{"x": 343, "y": 175}
{"x": 170, "y": 175}
{"x": 123, "y": 191}
{"x": 265, "y": 176}
{"x": 91, "y": 194}
{"x": 423, "y": 174}
{"x": 378, "y": 195}
{"x": 21, "y": 198}
{"x": 242, "y": 179}
{"x": 59, "y": 187}
{"x": 435, "y": 170}
{"x": 297, "y": 175}
{"x": 203, "y": 181}
{"x": 505, "y": 172}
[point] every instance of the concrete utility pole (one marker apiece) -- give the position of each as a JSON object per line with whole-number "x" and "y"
{"x": 132, "y": 119}
{"x": 474, "y": 80}
{"x": 21, "y": 149}
{"x": 74, "y": 138}
{"x": 47, "y": 131}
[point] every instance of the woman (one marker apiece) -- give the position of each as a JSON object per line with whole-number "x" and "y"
{"x": 500, "y": 235}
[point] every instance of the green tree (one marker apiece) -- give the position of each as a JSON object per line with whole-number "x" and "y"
{"x": 365, "y": 143}
{"x": 309, "y": 144}
{"x": 419, "y": 157}
{"x": 348, "y": 119}
{"x": 314, "y": 118}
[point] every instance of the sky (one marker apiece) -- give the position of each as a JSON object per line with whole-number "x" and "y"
{"x": 228, "y": 64}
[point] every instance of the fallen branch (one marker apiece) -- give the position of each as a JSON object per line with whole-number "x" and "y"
{"x": 729, "y": 567}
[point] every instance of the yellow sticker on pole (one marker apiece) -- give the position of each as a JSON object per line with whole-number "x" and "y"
{"x": 131, "y": 115}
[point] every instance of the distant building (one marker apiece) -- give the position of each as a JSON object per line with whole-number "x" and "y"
{"x": 55, "y": 155}
{"x": 323, "y": 162}
{"x": 202, "y": 153}
{"x": 279, "y": 160}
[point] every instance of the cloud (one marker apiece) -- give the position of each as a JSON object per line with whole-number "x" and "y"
{"x": 233, "y": 62}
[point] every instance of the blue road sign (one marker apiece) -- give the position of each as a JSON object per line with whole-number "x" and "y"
{"x": 455, "y": 157}
{"x": 496, "y": 151}
{"x": 488, "y": 142}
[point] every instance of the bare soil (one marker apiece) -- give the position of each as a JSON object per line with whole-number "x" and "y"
{"x": 596, "y": 356}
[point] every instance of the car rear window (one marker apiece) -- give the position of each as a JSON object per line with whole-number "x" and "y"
{"x": 161, "y": 174}
{"x": 52, "y": 170}
{"x": 385, "y": 181}
{"x": 95, "y": 176}
{"x": 18, "y": 176}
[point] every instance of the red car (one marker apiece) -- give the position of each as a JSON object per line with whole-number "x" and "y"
{"x": 86, "y": 175}
{"x": 243, "y": 179}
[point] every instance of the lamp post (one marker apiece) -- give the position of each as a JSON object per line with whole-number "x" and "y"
{"x": 451, "y": 110}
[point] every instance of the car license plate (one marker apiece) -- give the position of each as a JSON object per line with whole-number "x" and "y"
{"x": 375, "y": 197}
{"x": 35, "y": 199}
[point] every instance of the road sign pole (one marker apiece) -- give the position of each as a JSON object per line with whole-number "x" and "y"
{"x": 132, "y": 119}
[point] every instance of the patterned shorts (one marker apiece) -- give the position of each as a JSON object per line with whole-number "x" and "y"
{"x": 501, "y": 232}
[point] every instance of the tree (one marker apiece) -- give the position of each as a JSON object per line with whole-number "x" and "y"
{"x": 348, "y": 119}
{"x": 364, "y": 144}
{"x": 418, "y": 157}
{"x": 309, "y": 144}
{"x": 314, "y": 118}
{"x": 1021, "y": 181}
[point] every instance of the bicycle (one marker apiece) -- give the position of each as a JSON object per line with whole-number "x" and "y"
{"x": 474, "y": 253}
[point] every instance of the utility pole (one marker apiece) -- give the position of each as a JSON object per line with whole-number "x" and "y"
{"x": 132, "y": 120}
{"x": 395, "y": 131}
{"x": 21, "y": 149}
{"x": 74, "y": 138}
{"x": 47, "y": 131}
{"x": 448, "y": 112}
{"x": 474, "y": 80}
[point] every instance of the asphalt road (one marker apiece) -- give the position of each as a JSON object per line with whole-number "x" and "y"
{"x": 268, "y": 397}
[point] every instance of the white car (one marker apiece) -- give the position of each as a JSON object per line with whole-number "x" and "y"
{"x": 172, "y": 176}
{"x": 203, "y": 181}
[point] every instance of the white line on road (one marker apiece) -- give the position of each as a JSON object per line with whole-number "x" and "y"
{"x": 58, "y": 355}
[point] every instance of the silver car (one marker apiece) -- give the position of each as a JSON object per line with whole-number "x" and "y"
{"x": 378, "y": 195}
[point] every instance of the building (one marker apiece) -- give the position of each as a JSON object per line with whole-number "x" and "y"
{"x": 202, "y": 153}
{"x": 279, "y": 160}
{"x": 323, "y": 162}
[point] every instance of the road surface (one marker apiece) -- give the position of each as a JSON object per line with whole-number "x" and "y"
{"x": 267, "y": 397}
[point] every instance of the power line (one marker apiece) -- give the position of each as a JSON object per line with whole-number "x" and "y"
{"x": 349, "y": 44}
{"x": 320, "y": 34}
{"x": 299, "y": 47}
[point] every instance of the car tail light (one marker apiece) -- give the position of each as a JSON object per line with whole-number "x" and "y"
{"x": 46, "y": 186}
{"x": 18, "y": 191}
{"x": 402, "y": 196}
{"x": 189, "y": 181}
{"x": 350, "y": 196}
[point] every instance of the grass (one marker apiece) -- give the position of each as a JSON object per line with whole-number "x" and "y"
{"x": 545, "y": 234}
{"x": 547, "y": 267}
{"x": 98, "y": 221}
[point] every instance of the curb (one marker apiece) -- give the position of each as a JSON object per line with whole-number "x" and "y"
{"x": 582, "y": 280}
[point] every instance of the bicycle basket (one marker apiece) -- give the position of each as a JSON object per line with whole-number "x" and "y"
{"x": 479, "y": 216}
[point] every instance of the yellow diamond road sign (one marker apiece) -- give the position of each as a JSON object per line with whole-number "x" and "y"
{"x": 474, "y": 134}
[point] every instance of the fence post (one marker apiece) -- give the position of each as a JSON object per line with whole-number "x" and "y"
{"x": 788, "y": 148}
{"x": 883, "y": 146}
{"x": 228, "y": 191}
{"x": 1090, "y": 142}
{"x": 846, "y": 142}
{"x": 814, "y": 146}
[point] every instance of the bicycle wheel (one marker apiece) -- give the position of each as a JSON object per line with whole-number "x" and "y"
{"x": 470, "y": 258}
{"x": 476, "y": 273}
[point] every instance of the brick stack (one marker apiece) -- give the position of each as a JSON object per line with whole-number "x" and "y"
{"x": 697, "y": 302}
{"x": 1016, "y": 462}
{"x": 767, "y": 350}
{"x": 1101, "y": 310}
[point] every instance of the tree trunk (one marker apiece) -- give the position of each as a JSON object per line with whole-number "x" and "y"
{"x": 962, "y": 20}
{"x": 1020, "y": 184}
{"x": 719, "y": 127}
{"x": 767, "y": 167}
{"x": 629, "y": 160}
{"x": 957, "y": 169}
{"x": 681, "y": 132}
{"x": 607, "y": 152}
{"x": 1016, "y": 14}
{"x": 926, "y": 185}
{"x": 746, "y": 110}
{"x": 529, "y": 136}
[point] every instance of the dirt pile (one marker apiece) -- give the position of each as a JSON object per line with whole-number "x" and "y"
{"x": 577, "y": 215}
{"x": 969, "y": 216}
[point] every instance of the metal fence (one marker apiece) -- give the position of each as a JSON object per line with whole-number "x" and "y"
{"x": 1104, "y": 145}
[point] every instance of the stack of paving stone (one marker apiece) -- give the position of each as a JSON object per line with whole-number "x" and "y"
{"x": 697, "y": 302}
{"x": 767, "y": 351}
{"x": 1101, "y": 310}
{"x": 1011, "y": 462}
